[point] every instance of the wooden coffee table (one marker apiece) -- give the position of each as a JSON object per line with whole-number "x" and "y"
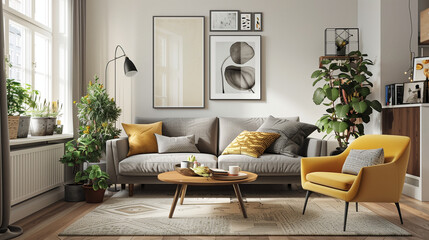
{"x": 183, "y": 182}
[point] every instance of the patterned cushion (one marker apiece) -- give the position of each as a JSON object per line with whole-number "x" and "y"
{"x": 141, "y": 138}
{"x": 357, "y": 159}
{"x": 176, "y": 144}
{"x": 292, "y": 135}
{"x": 251, "y": 143}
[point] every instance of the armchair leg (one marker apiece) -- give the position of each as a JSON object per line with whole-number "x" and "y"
{"x": 307, "y": 195}
{"x": 345, "y": 216}
{"x": 357, "y": 207}
{"x": 399, "y": 212}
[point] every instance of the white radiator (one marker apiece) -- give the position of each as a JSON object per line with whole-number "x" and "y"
{"x": 36, "y": 170}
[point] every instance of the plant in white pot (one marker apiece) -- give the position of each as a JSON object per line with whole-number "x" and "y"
{"x": 39, "y": 116}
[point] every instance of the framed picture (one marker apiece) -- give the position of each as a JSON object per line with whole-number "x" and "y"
{"x": 224, "y": 20}
{"x": 421, "y": 68}
{"x": 246, "y": 21}
{"x": 415, "y": 92}
{"x": 257, "y": 21}
{"x": 178, "y": 62}
{"x": 235, "y": 67}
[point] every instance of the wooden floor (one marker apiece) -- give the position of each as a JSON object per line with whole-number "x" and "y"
{"x": 49, "y": 222}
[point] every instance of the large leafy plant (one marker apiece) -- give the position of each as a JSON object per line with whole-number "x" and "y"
{"x": 19, "y": 97}
{"x": 344, "y": 92}
{"x": 94, "y": 176}
{"x": 98, "y": 113}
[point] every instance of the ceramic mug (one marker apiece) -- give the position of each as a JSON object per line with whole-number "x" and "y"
{"x": 234, "y": 170}
{"x": 184, "y": 164}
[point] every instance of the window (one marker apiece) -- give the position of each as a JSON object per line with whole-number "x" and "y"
{"x": 37, "y": 43}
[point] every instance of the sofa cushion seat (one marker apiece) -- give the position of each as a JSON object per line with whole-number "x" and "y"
{"x": 266, "y": 164}
{"x": 153, "y": 163}
{"x": 331, "y": 179}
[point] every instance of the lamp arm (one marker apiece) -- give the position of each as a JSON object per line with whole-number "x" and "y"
{"x": 107, "y": 65}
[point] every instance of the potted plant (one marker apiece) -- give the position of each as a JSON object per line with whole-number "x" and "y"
{"x": 345, "y": 89}
{"x": 39, "y": 117}
{"x": 54, "y": 111}
{"x": 96, "y": 183}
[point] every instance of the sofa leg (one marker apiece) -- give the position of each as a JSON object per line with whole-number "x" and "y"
{"x": 399, "y": 212}
{"x": 130, "y": 189}
{"x": 123, "y": 186}
{"x": 307, "y": 195}
{"x": 346, "y": 210}
{"x": 357, "y": 207}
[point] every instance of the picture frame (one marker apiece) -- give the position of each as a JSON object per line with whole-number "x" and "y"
{"x": 257, "y": 21}
{"x": 224, "y": 20}
{"x": 178, "y": 62}
{"x": 415, "y": 92}
{"x": 246, "y": 22}
{"x": 421, "y": 68}
{"x": 235, "y": 67}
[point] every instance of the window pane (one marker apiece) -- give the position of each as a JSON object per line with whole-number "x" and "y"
{"x": 42, "y": 65}
{"x": 42, "y": 12}
{"x": 22, "y": 6}
{"x": 17, "y": 51}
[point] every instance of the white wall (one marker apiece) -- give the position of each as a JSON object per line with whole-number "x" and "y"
{"x": 292, "y": 42}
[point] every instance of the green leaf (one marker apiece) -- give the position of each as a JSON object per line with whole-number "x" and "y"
{"x": 343, "y": 126}
{"x": 360, "y": 78}
{"x": 326, "y": 61}
{"x": 364, "y": 91}
{"x": 316, "y": 74}
{"x": 318, "y": 96}
{"x": 359, "y": 107}
{"x": 332, "y": 93}
{"x": 376, "y": 105}
{"x": 342, "y": 110}
{"x": 365, "y": 118}
{"x": 360, "y": 128}
{"x": 317, "y": 80}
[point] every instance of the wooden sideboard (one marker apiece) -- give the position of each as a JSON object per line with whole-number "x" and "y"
{"x": 412, "y": 120}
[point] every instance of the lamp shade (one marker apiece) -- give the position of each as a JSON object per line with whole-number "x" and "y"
{"x": 129, "y": 68}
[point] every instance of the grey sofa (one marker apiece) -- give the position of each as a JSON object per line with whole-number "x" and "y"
{"x": 212, "y": 136}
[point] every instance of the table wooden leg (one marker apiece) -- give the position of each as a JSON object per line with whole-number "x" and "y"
{"x": 182, "y": 197}
{"x": 176, "y": 197}
{"x": 240, "y": 199}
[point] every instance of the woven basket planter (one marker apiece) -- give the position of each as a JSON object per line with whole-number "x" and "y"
{"x": 13, "y": 123}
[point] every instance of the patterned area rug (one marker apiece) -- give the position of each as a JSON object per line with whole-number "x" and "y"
{"x": 148, "y": 215}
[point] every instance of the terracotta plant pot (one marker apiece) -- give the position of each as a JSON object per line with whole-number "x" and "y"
{"x": 13, "y": 123}
{"x": 38, "y": 126}
{"x": 92, "y": 196}
{"x": 24, "y": 126}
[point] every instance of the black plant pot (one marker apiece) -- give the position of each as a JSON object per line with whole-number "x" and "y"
{"x": 338, "y": 151}
{"x": 74, "y": 193}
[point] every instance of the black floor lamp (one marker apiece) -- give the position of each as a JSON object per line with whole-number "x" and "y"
{"x": 129, "y": 71}
{"x": 129, "y": 67}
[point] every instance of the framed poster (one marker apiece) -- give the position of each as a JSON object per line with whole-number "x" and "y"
{"x": 421, "y": 68}
{"x": 245, "y": 21}
{"x": 224, "y": 20}
{"x": 257, "y": 21}
{"x": 178, "y": 62}
{"x": 235, "y": 67}
{"x": 415, "y": 92}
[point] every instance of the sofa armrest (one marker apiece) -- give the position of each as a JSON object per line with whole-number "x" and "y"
{"x": 315, "y": 147}
{"x": 116, "y": 151}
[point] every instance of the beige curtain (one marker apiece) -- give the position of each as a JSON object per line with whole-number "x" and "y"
{"x": 78, "y": 55}
{"x": 6, "y": 231}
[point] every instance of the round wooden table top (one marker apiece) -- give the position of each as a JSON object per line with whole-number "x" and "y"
{"x": 177, "y": 178}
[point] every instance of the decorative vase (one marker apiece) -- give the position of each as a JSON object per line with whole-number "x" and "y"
{"x": 74, "y": 193}
{"x": 341, "y": 52}
{"x": 50, "y": 124}
{"x": 38, "y": 126}
{"x": 92, "y": 196}
{"x": 13, "y": 123}
{"x": 24, "y": 126}
{"x": 338, "y": 151}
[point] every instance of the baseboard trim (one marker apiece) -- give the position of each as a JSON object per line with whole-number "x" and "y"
{"x": 32, "y": 205}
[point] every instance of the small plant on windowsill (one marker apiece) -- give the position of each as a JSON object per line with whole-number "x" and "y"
{"x": 345, "y": 89}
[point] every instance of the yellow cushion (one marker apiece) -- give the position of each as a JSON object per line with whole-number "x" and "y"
{"x": 251, "y": 143}
{"x": 331, "y": 179}
{"x": 141, "y": 137}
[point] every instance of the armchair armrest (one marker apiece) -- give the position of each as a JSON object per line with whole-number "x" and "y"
{"x": 116, "y": 151}
{"x": 321, "y": 164}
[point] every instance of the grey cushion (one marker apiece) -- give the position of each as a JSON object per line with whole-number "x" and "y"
{"x": 204, "y": 129}
{"x": 266, "y": 164}
{"x": 292, "y": 135}
{"x": 176, "y": 144}
{"x": 229, "y": 128}
{"x": 153, "y": 163}
{"x": 357, "y": 159}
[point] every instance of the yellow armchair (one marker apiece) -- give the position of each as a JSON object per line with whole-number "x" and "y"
{"x": 379, "y": 183}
